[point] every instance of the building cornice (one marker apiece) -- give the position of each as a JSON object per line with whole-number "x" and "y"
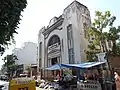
{"x": 49, "y": 29}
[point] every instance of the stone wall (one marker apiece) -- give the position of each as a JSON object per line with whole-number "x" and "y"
{"x": 114, "y": 62}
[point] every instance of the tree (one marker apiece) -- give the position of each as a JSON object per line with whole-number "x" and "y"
{"x": 9, "y": 63}
{"x": 96, "y": 34}
{"x": 91, "y": 56}
{"x": 99, "y": 24}
{"x": 10, "y": 13}
{"x": 113, "y": 35}
{"x": 118, "y": 48}
{"x": 3, "y": 69}
{"x": 28, "y": 69}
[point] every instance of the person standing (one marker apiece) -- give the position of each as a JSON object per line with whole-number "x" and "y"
{"x": 58, "y": 77}
{"x": 117, "y": 80}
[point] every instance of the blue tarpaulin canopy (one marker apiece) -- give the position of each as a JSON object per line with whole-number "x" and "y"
{"x": 84, "y": 65}
{"x": 55, "y": 67}
{"x": 81, "y": 65}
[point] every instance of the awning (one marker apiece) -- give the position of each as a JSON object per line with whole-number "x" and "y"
{"x": 83, "y": 65}
{"x": 55, "y": 67}
{"x": 23, "y": 74}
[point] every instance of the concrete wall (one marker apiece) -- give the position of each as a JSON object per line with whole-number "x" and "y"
{"x": 77, "y": 14}
{"x": 27, "y": 54}
{"x": 70, "y": 17}
{"x": 114, "y": 62}
{"x": 41, "y": 39}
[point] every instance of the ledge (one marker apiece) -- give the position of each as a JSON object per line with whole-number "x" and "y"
{"x": 54, "y": 26}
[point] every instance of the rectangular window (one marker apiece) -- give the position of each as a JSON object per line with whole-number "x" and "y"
{"x": 40, "y": 54}
{"x": 85, "y": 29}
{"x": 70, "y": 44}
{"x": 62, "y": 46}
{"x": 71, "y": 55}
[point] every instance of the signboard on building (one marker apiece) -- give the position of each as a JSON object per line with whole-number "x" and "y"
{"x": 53, "y": 47}
{"x": 101, "y": 57}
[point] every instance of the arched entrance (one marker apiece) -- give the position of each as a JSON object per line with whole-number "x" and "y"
{"x": 54, "y": 51}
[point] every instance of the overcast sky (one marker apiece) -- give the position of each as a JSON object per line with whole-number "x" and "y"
{"x": 39, "y": 12}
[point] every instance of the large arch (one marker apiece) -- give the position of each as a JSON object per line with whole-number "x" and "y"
{"x": 54, "y": 51}
{"x": 54, "y": 39}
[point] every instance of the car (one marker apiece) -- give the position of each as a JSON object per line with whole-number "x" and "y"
{"x": 4, "y": 85}
{"x": 3, "y": 77}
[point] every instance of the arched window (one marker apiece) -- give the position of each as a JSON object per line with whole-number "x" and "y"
{"x": 54, "y": 39}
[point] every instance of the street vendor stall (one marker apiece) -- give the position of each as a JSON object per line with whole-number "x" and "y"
{"x": 87, "y": 81}
{"x": 57, "y": 68}
{"x": 91, "y": 78}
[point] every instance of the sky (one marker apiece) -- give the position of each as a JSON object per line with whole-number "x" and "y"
{"x": 39, "y": 12}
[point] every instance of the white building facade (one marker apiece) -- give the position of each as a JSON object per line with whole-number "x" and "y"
{"x": 64, "y": 39}
{"x": 27, "y": 55}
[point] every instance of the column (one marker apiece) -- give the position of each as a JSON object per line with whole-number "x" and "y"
{"x": 31, "y": 73}
{"x": 49, "y": 62}
{"x": 58, "y": 60}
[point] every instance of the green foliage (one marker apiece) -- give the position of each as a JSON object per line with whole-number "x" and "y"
{"x": 10, "y": 12}
{"x": 91, "y": 56}
{"x": 101, "y": 21}
{"x": 3, "y": 69}
{"x": 91, "y": 46}
{"x": 98, "y": 37}
{"x": 9, "y": 63}
{"x": 28, "y": 68}
{"x": 118, "y": 48}
{"x": 113, "y": 35}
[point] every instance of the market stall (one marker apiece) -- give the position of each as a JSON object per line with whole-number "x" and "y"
{"x": 90, "y": 78}
{"x": 89, "y": 75}
{"x": 88, "y": 85}
{"x": 57, "y": 68}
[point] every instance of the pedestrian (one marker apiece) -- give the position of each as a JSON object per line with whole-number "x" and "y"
{"x": 117, "y": 80}
{"x": 58, "y": 77}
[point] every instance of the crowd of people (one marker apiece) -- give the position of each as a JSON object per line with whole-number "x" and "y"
{"x": 90, "y": 76}
{"x": 66, "y": 80}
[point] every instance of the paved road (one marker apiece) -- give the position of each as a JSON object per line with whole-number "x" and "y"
{"x": 5, "y": 84}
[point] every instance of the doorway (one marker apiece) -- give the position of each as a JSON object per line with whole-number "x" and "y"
{"x": 54, "y": 61}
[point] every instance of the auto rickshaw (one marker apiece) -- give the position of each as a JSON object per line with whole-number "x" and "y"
{"x": 22, "y": 84}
